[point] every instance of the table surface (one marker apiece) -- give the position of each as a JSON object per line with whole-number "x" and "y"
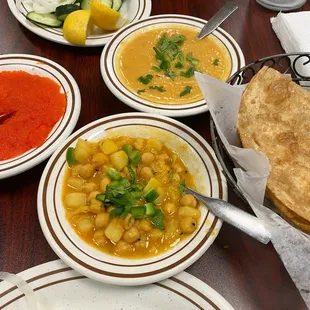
{"x": 248, "y": 274}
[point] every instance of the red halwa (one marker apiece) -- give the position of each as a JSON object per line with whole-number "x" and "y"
{"x": 37, "y": 105}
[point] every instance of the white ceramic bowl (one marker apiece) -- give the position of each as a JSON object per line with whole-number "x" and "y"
{"x": 133, "y": 10}
{"x": 199, "y": 158}
{"x": 46, "y": 68}
{"x": 109, "y": 72}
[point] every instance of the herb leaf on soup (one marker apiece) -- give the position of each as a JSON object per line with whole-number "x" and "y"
{"x": 171, "y": 74}
{"x": 178, "y": 65}
{"x": 140, "y": 91}
{"x": 216, "y": 62}
{"x": 156, "y": 69}
{"x": 191, "y": 59}
{"x": 159, "y": 88}
{"x": 189, "y": 73}
{"x": 146, "y": 79}
{"x": 186, "y": 91}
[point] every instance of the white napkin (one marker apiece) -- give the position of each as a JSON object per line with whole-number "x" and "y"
{"x": 293, "y": 31}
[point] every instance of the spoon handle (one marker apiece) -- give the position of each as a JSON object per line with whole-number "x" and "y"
{"x": 236, "y": 217}
{"x": 218, "y": 18}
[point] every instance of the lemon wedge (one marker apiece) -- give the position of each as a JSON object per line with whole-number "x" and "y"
{"x": 105, "y": 17}
{"x": 76, "y": 27}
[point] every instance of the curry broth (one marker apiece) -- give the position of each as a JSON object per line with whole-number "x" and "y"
{"x": 135, "y": 57}
{"x": 171, "y": 171}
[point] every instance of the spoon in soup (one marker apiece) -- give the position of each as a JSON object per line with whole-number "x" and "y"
{"x": 217, "y": 19}
{"x": 236, "y": 217}
{"x": 5, "y": 116}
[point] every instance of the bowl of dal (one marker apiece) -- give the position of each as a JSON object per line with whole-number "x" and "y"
{"x": 150, "y": 65}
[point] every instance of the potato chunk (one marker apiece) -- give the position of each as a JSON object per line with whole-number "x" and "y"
{"x": 119, "y": 160}
{"x": 75, "y": 200}
{"x": 108, "y": 147}
{"x": 114, "y": 231}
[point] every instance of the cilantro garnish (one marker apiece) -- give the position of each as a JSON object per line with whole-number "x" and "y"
{"x": 182, "y": 187}
{"x": 189, "y": 73}
{"x": 156, "y": 69}
{"x": 158, "y": 220}
{"x": 146, "y": 79}
{"x": 159, "y": 88}
{"x": 216, "y": 62}
{"x": 178, "y": 65}
{"x": 191, "y": 59}
{"x": 186, "y": 91}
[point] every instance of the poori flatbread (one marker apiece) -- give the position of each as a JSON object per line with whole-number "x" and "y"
{"x": 274, "y": 118}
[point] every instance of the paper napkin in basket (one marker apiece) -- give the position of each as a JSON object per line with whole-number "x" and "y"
{"x": 293, "y": 31}
{"x": 292, "y": 245}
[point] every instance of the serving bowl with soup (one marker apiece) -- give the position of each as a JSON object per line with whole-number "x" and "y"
{"x": 111, "y": 202}
{"x": 150, "y": 65}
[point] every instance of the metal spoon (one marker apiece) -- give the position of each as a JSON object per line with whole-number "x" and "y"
{"x": 217, "y": 19}
{"x": 244, "y": 221}
{"x": 5, "y": 116}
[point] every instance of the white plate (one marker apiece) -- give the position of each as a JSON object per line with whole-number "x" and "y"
{"x": 133, "y": 9}
{"x": 58, "y": 287}
{"x": 46, "y": 68}
{"x": 108, "y": 65}
{"x": 200, "y": 160}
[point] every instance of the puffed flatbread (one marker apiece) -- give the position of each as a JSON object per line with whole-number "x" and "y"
{"x": 274, "y": 118}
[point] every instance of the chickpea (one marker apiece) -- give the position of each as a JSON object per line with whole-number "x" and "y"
{"x": 139, "y": 144}
{"x": 178, "y": 168}
{"x": 89, "y": 187}
{"x": 109, "y": 209}
{"x": 146, "y": 172}
{"x": 145, "y": 225}
{"x": 103, "y": 184}
{"x": 155, "y": 233}
{"x": 75, "y": 170}
{"x": 188, "y": 225}
{"x": 141, "y": 245}
{"x": 95, "y": 208}
{"x": 87, "y": 171}
{"x": 129, "y": 221}
{"x": 102, "y": 220}
{"x": 122, "y": 248}
{"x": 186, "y": 211}
{"x": 100, "y": 159}
{"x": 147, "y": 158}
{"x": 93, "y": 195}
{"x": 188, "y": 200}
{"x": 169, "y": 208}
{"x": 131, "y": 235}
{"x": 100, "y": 238}
{"x": 164, "y": 157}
{"x": 176, "y": 178}
{"x": 96, "y": 202}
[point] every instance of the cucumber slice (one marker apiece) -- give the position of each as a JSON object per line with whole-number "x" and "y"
{"x": 117, "y": 4}
{"x": 107, "y": 3}
{"x": 62, "y": 11}
{"x": 85, "y": 5}
{"x": 49, "y": 20}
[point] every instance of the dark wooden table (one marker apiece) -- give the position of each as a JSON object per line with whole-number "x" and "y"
{"x": 248, "y": 274}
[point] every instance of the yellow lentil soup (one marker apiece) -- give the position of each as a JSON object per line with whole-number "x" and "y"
{"x": 124, "y": 196}
{"x": 158, "y": 63}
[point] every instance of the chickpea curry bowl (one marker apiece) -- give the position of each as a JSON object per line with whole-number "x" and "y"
{"x": 111, "y": 201}
{"x": 125, "y": 196}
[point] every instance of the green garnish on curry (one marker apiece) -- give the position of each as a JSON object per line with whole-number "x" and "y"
{"x": 169, "y": 55}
